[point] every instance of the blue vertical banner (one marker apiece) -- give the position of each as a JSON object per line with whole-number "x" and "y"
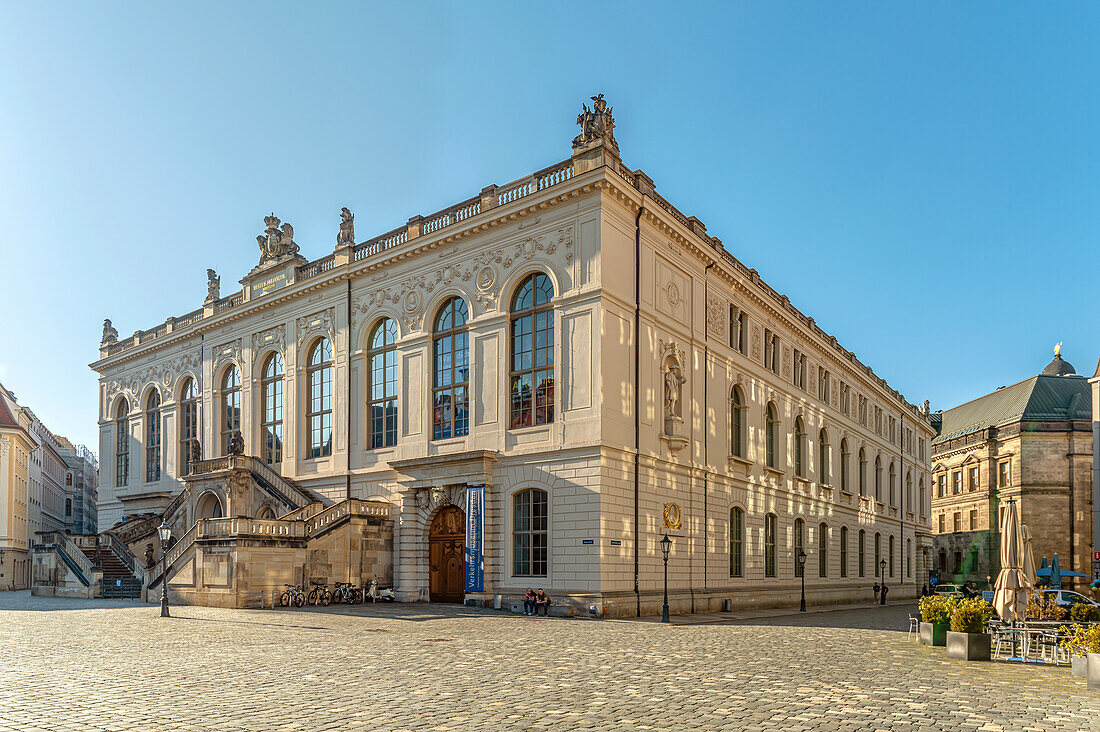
{"x": 475, "y": 538}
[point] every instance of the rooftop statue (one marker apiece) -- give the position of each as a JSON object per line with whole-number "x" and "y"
{"x": 1058, "y": 348}
{"x": 213, "y": 286}
{"x": 346, "y": 237}
{"x": 276, "y": 243}
{"x": 596, "y": 124}
{"x": 110, "y": 335}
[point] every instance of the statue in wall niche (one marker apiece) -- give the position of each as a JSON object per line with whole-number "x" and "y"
{"x": 276, "y": 243}
{"x": 673, "y": 384}
{"x": 196, "y": 453}
{"x": 213, "y": 285}
{"x": 236, "y": 443}
{"x": 596, "y": 124}
{"x": 346, "y": 236}
{"x": 110, "y": 335}
{"x": 149, "y": 555}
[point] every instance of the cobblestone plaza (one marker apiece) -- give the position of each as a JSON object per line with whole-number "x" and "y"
{"x": 115, "y": 665}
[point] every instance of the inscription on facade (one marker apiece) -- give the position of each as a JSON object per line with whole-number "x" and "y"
{"x": 269, "y": 284}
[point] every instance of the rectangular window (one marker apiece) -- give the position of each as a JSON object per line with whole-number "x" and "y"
{"x": 941, "y": 486}
{"x": 973, "y": 519}
{"x": 943, "y": 523}
{"x": 972, "y": 479}
{"x": 956, "y": 482}
{"x": 956, "y": 521}
{"x": 843, "y": 551}
{"x": 769, "y": 544}
{"x": 529, "y": 533}
{"x": 862, "y": 549}
{"x": 878, "y": 555}
{"x": 737, "y": 543}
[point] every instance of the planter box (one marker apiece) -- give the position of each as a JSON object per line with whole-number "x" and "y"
{"x": 968, "y": 646}
{"x": 1079, "y": 665}
{"x": 1094, "y": 671}
{"x": 933, "y": 634}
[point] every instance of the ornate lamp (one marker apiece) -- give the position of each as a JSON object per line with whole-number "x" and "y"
{"x": 666, "y": 548}
{"x": 165, "y": 532}
{"x": 801, "y": 558}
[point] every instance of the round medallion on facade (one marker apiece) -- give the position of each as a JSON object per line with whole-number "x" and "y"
{"x": 486, "y": 278}
{"x": 673, "y": 294}
{"x": 411, "y": 301}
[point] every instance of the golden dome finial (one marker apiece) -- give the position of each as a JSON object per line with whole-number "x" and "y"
{"x": 1058, "y": 348}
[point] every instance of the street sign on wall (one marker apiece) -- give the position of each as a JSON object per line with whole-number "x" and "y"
{"x": 475, "y": 538}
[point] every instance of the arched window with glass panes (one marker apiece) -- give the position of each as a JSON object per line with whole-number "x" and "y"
{"x": 771, "y": 434}
{"x": 230, "y": 395}
{"x": 823, "y": 457}
{"x": 771, "y": 529}
{"x": 799, "y": 545}
{"x": 319, "y": 389}
{"x": 271, "y": 422}
{"x": 382, "y": 385}
{"x": 122, "y": 443}
{"x": 823, "y": 550}
{"x": 737, "y": 422}
{"x": 152, "y": 437}
{"x": 188, "y": 423}
{"x": 532, "y": 367}
{"x": 737, "y": 542}
{"x": 451, "y": 371}
{"x": 845, "y": 466}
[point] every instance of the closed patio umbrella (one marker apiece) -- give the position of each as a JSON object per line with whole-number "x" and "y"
{"x": 1029, "y": 555}
{"x": 1055, "y": 573}
{"x": 1010, "y": 596}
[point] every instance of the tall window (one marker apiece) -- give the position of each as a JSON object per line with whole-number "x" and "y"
{"x": 956, "y": 482}
{"x": 909, "y": 491}
{"x": 737, "y": 423}
{"x": 890, "y": 561}
{"x": 972, "y": 479}
{"x": 770, "y": 530}
{"x": 923, "y": 496}
{"x": 771, "y": 433}
{"x": 878, "y": 479}
{"x": 737, "y": 542}
{"x": 189, "y": 423}
{"x": 382, "y": 399}
{"x": 845, "y": 459}
{"x": 823, "y": 457}
{"x": 799, "y": 545}
{"x": 878, "y": 554}
{"x": 533, "y": 352}
{"x": 843, "y": 551}
{"x": 529, "y": 533}
{"x": 909, "y": 558}
{"x": 231, "y": 406}
{"x": 271, "y": 384}
{"x": 1002, "y": 474}
{"x": 799, "y": 447}
{"x": 319, "y": 414}
{"x": 823, "y": 550}
{"x": 451, "y": 380}
{"x": 152, "y": 437}
{"x": 941, "y": 482}
{"x": 862, "y": 472}
{"x": 893, "y": 485}
{"x": 122, "y": 443}
{"x": 862, "y": 551}
{"x": 737, "y": 329}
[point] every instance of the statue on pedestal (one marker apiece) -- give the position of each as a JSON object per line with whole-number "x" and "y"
{"x": 213, "y": 286}
{"x": 346, "y": 236}
{"x": 596, "y": 124}
{"x": 276, "y": 243}
{"x": 110, "y": 335}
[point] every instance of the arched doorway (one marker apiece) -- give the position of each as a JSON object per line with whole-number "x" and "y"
{"x": 209, "y": 506}
{"x": 447, "y": 556}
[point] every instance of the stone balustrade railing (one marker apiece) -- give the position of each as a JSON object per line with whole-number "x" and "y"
{"x": 70, "y": 553}
{"x": 305, "y": 512}
{"x": 221, "y": 528}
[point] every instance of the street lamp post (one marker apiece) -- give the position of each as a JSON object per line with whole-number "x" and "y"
{"x": 802, "y": 571}
{"x": 165, "y": 532}
{"x": 666, "y": 547}
{"x": 882, "y": 573}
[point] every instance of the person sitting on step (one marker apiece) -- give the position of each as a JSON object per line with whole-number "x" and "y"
{"x": 542, "y": 602}
{"x": 529, "y": 602}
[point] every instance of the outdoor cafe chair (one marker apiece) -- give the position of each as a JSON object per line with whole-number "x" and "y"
{"x": 914, "y": 628}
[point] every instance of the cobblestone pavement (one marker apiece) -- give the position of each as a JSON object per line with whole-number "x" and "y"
{"x": 115, "y": 665}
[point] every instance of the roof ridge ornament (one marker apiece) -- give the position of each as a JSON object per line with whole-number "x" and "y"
{"x": 276, "y": 243}
{"x": 597, "y": 124}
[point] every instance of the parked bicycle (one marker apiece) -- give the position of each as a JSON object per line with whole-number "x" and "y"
{"x": 319, "y": 595}
{"x": 292, "y": 596}
{"x": 347, "y": 593}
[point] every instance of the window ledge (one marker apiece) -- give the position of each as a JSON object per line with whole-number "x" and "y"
{"x": 738, "y": 460}
{"x": 776, "y": 472}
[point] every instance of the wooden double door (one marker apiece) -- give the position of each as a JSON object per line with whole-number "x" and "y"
{"x": 447, "y": 556}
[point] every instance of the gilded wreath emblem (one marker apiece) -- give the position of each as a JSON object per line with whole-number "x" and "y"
{"x": 672, "y": 516}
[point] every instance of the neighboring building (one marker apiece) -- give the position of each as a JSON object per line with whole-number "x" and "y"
{"x": 496, "y": 344}
{"x": 1094, "y": 383}
{"x": 1031, "y": 442}
{"x": 16, "y": 445}
{"x": 47, "y": 479}
{"x": 81, "y": 488}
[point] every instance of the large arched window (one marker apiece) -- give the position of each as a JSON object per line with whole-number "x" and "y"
{"x": 271, "y": 386}
{"x": 878, "y": 478}
{"x": 923, "y": 496}
{"x": 862, "y": 472}
{"x": 451, "y": 381}
{"x": 845, "y": 460}
{"x": 230, "y": 406}
{"x": 530, "y": 530}
{"x": 122, "y": 443}
{"x": 532, "y": 373}
{"x": 823, "y": 457}
{"x": 799, "y": 545}
{"x": 152, "y": 437}
{"x": 737, "y": 423}
{"x": 188, "y": 423}
{"x": 771, "y": 433}
{"x": 737, "y": 542}
{"x": 319, "y": 414}
{"x": 823, "y": 550}
{"x": 909, "y": 491}
{"x": 799, "y": 447}
{"x": 382, "y": 390}
{"x": 862, "y": 549}
{"x": 893, "y": 484}
{"x": 843, "y": 551}
{"x": 770, "y": 530}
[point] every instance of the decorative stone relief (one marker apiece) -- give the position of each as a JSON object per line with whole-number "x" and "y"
{"x": 756, "y": 342}
{"x": 276, "y": 243}
{"x": 596, "y": 124}
{"x": 787, "y": 362}
{"x": 672, "y": 516}
{"x": 409, "y": 294}
{"x": 133, "y": 383}
{"x": 310, "y": 326}
{"x": 226, "y": 352}
{"x": 271, "y": 338}
{"x": 717, "y": 312}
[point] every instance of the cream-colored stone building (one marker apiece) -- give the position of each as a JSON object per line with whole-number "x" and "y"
{"x": 1030, "y": 442}
{"x": 16, "y": 445}
{"x": 571, "y": 342}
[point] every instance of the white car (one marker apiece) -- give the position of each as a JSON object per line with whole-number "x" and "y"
{"x": 952, "y": 590}
{"x": 1067, "y": 598}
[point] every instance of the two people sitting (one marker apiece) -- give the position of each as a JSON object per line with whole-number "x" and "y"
{"x": 534, "y": 601}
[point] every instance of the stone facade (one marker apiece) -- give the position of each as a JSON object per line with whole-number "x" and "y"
{"x": 1034, "y": 448}
{"x": 635, "y": 398}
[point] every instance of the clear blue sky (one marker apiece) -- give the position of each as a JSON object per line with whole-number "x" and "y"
{"x": 923, "y": 180}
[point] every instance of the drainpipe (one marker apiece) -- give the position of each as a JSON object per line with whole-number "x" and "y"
{"x": 637, "y": 397}
{"x": 348, "y": 346}
{"x": 706, "y": 430}
{"x": 1072, "y": 515}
